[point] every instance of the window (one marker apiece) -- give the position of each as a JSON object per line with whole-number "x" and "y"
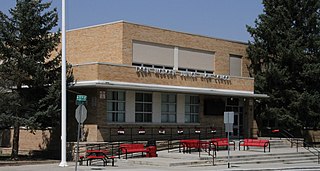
{"x": 151, "y": 53}
{"x": 143, "y": 107}
{"x": 235, "y": 66}
{"x": 168, "y": 108}
{"x": 213, "y": 106}
{"x": 196, "y": 59}
{"x": 192, "y": 109}
{"x": 116, "y": 106}
{"x": 102, "y": 94}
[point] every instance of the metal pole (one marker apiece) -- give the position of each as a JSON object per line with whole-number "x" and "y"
{"x": 63, "y": 162}
{"x": 212, "y": 154}
{"x": 78, "y": 138}
{"x": 228, "y": 151}
{"x": 199, "y": 145}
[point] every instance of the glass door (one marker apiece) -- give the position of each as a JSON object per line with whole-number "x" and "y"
{"x": 233, "y": 104}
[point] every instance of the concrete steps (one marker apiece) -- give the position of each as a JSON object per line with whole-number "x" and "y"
{"x": 180, "y": 159}
{"x": 281, "y": 156}
{"x": 285, "y": 158}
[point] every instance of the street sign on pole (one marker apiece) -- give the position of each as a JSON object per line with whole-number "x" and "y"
{"x": 228, "y": 127}
{"x": 228, "y": 117}
{"x": 81, "y": 114}
{"x": 81, "y": 99}
{"x": 228, "y": 122}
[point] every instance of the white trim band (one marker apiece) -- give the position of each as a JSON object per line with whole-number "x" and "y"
{"x": 166, "y": 88}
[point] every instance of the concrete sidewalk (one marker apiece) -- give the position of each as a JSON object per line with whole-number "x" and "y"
{"x": 128, "y": 167}
{"x": 176, "y": 161}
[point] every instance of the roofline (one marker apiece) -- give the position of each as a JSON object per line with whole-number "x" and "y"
{"x": 167, "y": 88}
{"x": 123, "y": 21}
{"x": 97, "y": 25}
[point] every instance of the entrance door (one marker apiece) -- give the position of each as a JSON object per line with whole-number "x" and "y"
{"x": 238, "y": 124}
{"x": 234, "y": 105}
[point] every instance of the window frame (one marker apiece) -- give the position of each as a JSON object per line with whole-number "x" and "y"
{"x": 146, "y": 115}
{"x": 232, "y": 72}
{"x": 114, "y": 115}
{"x": 193, "y": 116}
{"x": 166, "y": 115}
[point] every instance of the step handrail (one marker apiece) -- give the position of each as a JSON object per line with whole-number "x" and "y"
{"x": 293, "y": 140}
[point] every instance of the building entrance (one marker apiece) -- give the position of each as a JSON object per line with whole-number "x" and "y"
{"x": 234, "y": 104}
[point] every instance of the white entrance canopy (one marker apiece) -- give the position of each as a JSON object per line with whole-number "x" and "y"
{"x": 166, "y": 88}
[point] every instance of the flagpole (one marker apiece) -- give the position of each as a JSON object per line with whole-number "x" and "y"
{"x": 63, "y": 91}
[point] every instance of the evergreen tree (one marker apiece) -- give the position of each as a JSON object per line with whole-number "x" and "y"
{"x": 30, "y": 67}
{"x": 285, "y": 56}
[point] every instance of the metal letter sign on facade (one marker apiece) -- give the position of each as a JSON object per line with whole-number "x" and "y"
{"x": 81, "y": 113}
{"x": 228, "y": 121}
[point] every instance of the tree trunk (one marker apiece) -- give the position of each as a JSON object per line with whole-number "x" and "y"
{"x": 15, "y": 141}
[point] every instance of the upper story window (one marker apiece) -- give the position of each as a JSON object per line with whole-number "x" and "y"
{"x": 161, "y": 56}
{"x": 116, "y": 106}
{"x": 195, "y": 60}
{"x": 152, "y": 54}
{"x": 143, "y": 107}
{"x": 235, "y": 65}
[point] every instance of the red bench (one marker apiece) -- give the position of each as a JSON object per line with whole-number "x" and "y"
{"x": 254, "y": 143}
{"x": 187, "y": 145}
{"x": 222, "y": 142}
{"x": 132, "y": 148}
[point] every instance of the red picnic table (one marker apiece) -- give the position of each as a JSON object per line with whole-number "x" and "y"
{"x": 97, "y": 155}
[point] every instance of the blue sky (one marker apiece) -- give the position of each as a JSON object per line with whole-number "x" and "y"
{"x": 226, "y": 19}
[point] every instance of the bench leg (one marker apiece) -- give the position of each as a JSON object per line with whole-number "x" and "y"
{"x": 269, "y": 147}
{"x": 80, "y": 162}
{"x": 119, "y": 153}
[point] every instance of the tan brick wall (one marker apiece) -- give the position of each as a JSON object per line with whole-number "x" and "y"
{"x": 222, "y": 48}
{"x": 91, "y": 132}
{"x": 113, "y": 43}
{"x": 38, "y": 140}
{"x": 95, "y": 44}
{"x": 129, "y": 74}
